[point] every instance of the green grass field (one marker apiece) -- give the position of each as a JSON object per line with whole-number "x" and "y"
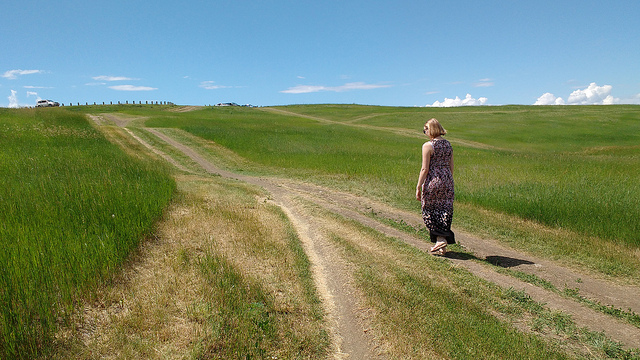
{"x": 72, "y": 208}
{"x": 565, "y": 167}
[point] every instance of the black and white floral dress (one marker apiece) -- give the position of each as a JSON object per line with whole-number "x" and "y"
{"x": 437, "y": 192}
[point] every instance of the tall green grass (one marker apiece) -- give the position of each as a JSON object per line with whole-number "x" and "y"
{"x": 72, "y": 208}
{"x": 591, "y": 194}
{"x": 364, "y": 160}
{"x": 571, "y": 167}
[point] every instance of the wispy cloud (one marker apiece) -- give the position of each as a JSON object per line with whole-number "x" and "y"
{"x": 635, "y": 99}
{"x": 13, "y": 99}
{"x": 132, "y": 88}
{"x": 467, "y": 101}
{"x": 36, "y": 87}
{"x": 304, "y": 89}
{"x": 13, "y": 74}
{"x": 484, "y": 83}
{"x": 112, "y": 78}
{"x": 211, "y": 85}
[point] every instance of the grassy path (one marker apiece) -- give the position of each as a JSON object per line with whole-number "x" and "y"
{"x": 370, "y": 266}
{"x": 606, "y": 292}
{"x": 334, "y": 286}
{"x": 402, "y": 132}
{"x": 482, "y": 253}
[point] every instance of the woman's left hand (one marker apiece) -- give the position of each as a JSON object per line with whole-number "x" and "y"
{"x": 418, "y": 194}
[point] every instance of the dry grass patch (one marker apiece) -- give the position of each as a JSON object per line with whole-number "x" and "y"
{"x": 212, "y": 151}
{"x": 428, "y": 308}
{"x": 225, "y": 277}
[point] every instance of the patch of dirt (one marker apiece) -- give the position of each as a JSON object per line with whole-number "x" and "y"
{"x": 182, "y": 109}
{"x": 120, "y": 120}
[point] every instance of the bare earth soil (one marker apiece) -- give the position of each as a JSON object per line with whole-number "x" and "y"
{"x": 348, "y": 319}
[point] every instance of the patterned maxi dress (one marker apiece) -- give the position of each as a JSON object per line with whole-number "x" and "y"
{"x": 437, "y": 192}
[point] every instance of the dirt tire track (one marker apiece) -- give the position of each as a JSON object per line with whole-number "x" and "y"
{"x": 331, "y": 277}
{"x": 398, "y": 131}
{"x": 608, "y": 293}
{"x": 620, "y": 296}
{"x": 346, "y": 320}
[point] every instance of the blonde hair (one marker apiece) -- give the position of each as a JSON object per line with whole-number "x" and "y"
{"x": 434, "y": 129}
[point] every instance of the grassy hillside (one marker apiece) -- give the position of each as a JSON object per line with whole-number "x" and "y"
{"x": 557, "y": 181}
{"x": 565, "y": 167}
{"x": 570, "y": 169}
{"x": 72, "y": 208}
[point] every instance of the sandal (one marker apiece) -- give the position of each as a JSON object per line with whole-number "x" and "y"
{"x": 439, "y": 245}
{"x": 440, "y": 252}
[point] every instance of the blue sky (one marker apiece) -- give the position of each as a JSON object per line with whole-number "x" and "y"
{"x": 398, "y": 53}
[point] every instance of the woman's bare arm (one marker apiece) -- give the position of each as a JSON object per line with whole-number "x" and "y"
{"x": 427, "y": 150}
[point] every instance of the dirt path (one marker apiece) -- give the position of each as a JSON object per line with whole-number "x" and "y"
{"x": 182, "y": 109}
{"x": 624, "y": 297}
{"x": 334, "y": 285}
{"x": 401, "y": 132}
{"x": 338, "y": 293}
{"x": 348, "y": 319}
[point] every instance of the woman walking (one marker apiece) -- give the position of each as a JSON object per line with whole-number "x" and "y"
{"x": 435, "y": 187}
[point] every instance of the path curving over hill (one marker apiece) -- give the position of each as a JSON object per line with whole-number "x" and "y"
{"x": 337, "y": 292}
{"x": 347, "y": 315}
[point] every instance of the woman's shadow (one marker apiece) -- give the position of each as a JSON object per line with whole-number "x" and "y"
{"x": 502, "y": 261}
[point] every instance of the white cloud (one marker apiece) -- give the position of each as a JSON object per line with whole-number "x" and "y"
{"x": 467, "y": 101}
{"x": 549, "y": 99}
{"x": 13, "y": 74}
{"x": 112, "y": 78}
{"x": 304, "y": 89}
{"x": 36, "y": 87}
{"x": 484, "y": 83}
{"x": 132, "y": 88}
{"x": 13, "y": 99}
{"x": 358, "y": 86}
{"x": 210, "y": 85}
{"x": 32, "y": 93}
{"x": 592, "y": 95}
